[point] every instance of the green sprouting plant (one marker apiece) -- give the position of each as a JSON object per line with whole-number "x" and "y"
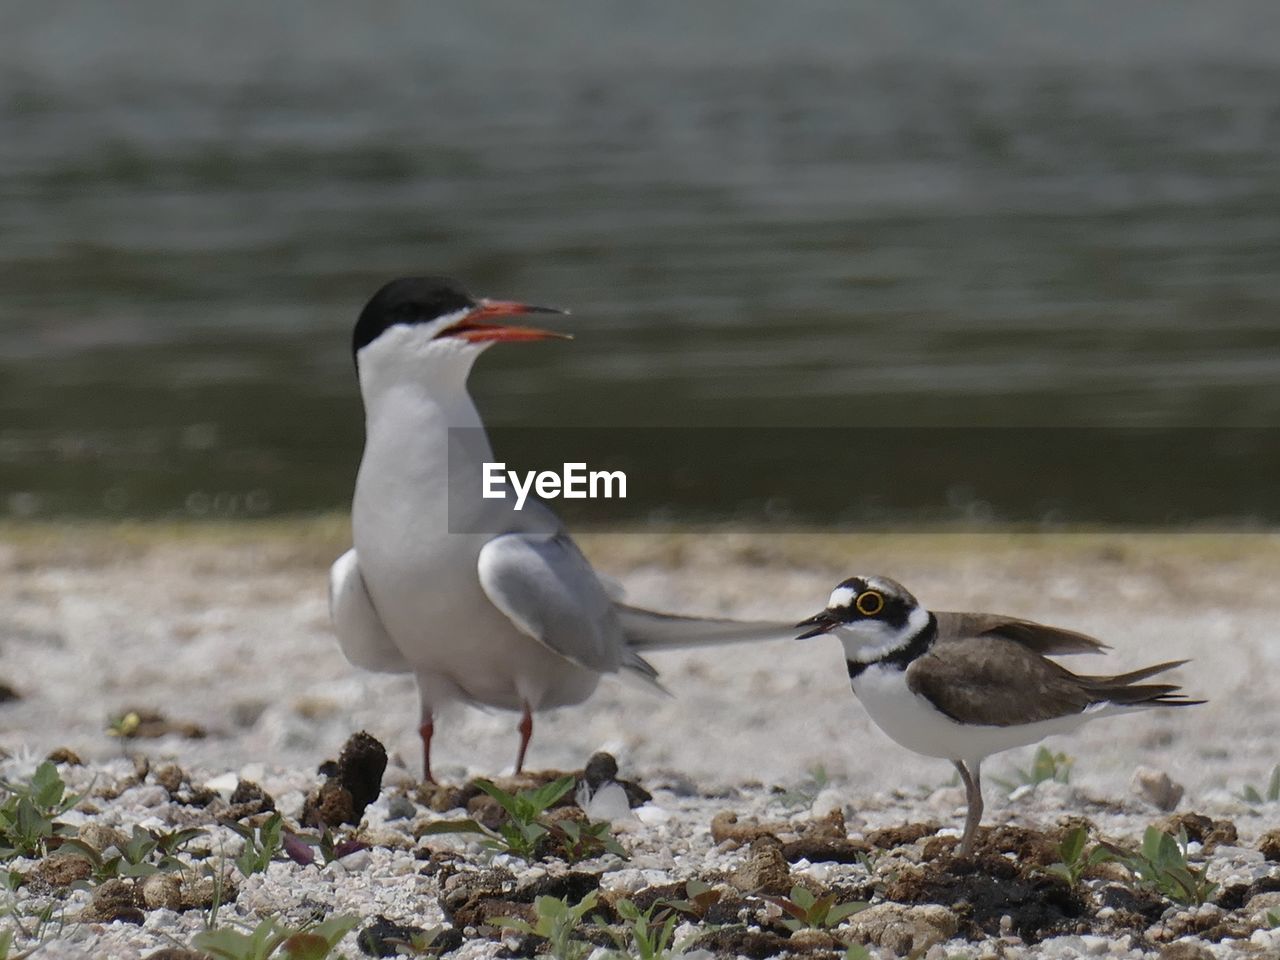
{"x": 37, "y": 923}
{"x": 29, "y": 812}
{"x": 146, "y": 852}
{"x": 1251, "y": 794}
{"x": 1045, "y": 765}
{"x": 528, "y": 833}
{"x": 575, "y": 841}
{"x": 699, "y": 897}
{"x": 6, "y": 943}
{"x": 857, "y": 951}
{"x": 1074, "y": 862}
{"x": 123, "y": 725}
{"x": 1161, "y": 865}
{"x": 1273, "y": 918}
{"x": 644, "y": 935}
{"x": 805, "y": 792}
{"x": 261, "y": 845}
{"x": 270, "y": 938}
{"x": 299, "y": 847}
{"x": 556, "y": 921}
{"x": 807, "y": 912}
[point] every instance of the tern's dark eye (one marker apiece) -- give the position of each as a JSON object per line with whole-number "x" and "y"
{"x": 869, "y": 603}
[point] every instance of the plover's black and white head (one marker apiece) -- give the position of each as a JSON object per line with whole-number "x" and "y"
{"x": 963, "y": 686}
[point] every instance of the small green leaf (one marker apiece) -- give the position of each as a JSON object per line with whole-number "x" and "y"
{"x": 845, "y": 910}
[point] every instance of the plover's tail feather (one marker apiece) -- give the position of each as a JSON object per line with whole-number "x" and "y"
{"x": 1124, "y": 690}
{"x": 650, "y": 630}
{"x": 1134, "y": 676}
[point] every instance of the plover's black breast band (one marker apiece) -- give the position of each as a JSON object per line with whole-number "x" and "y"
{"x": 900, "y": 658}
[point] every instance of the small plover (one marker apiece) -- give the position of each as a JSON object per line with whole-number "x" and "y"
{"x": 962, "y": 686}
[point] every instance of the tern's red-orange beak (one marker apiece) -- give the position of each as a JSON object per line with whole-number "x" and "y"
{"x": 478, "y": 326}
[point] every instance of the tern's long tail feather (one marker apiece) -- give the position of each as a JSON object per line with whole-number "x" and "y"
{"x": 650, "y": 630}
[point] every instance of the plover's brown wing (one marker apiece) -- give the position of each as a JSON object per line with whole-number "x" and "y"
{"x": 995, "y": 681}
{"x": 1040, "y": 637}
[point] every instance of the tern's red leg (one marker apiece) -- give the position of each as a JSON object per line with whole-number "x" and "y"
{"x": 425, "y": 731}
{"x": 526, "y": 731}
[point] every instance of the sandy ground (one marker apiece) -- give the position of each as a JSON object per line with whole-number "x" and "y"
{"x": 226, "y": 627}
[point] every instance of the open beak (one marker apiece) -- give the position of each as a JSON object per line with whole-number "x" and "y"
{"x": 818, "y": 624}
{"x": 478, "y": 325}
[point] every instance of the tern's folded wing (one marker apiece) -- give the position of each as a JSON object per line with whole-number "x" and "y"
{"x": 544, "y": 584}
{"x": 364, "y": 640}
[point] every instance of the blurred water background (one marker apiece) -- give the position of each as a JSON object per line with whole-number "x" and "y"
{"x": 823, "y": 213}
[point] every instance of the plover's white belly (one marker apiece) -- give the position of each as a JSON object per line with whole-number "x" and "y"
{"x": 915, "y": 723}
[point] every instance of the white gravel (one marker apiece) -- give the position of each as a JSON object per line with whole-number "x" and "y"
{"x": 229, "y": 630}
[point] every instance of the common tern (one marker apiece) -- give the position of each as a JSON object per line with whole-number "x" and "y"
{"x": 500, "y": 609}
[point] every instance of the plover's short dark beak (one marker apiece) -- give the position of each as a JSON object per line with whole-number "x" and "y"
{"x": 820, "y": 623}
{"x": 478, "y": 326}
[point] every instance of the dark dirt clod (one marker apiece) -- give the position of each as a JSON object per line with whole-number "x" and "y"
{"x": 487, "y": 912}
{"x": 443, "y": 797}
{"x": 1204, "y": 830}
{"x": 1139, "y": 907}
{"x": 725, "y": 825}
{"x": 354, "y": 784}
{"x": 8, "y": 694}
{"x": 730, "y": 942}
{"x": 65, "y": 755}
{"x": 984, "y": 888}
{"x": 485, "y": 810}
{"x": 153, "y": 724}
{"x": 765, "y": 870}
{"x": 176, "y": 953}
{"x": 1269, "y": 844}
{"x": 113, "y": 900}
{"x": 170, "y": 776}
{"x": 360, "y": 767}
{"x": 892, "y": 837}
{"x": 383, "y": 938}
{"x": 1027, "y": 846}
{"x": 329, "y": 806}
{"x": 571, "y": 886}
{"x": 475, "y": 899}
{"x": 819, "y": 850}
{"x": 249, "y": 799}
{"x": 1238, "y": 894}
{"x": 524, "y": 945}
{"x": 57, "y": 872}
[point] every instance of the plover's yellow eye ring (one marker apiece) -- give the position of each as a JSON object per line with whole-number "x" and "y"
{"x": 869, "y": 603}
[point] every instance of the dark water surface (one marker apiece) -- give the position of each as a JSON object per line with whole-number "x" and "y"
{"x": 826, "y": 214}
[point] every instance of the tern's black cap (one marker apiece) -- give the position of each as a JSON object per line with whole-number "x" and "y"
{"x": 408, "y": 300}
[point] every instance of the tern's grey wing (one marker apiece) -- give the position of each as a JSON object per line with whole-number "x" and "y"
{"x": 363, "y": 638}
{"x": 1039, "y": 637}
{"x": 994, "y": 681}
{"x": 547, "y": 588}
